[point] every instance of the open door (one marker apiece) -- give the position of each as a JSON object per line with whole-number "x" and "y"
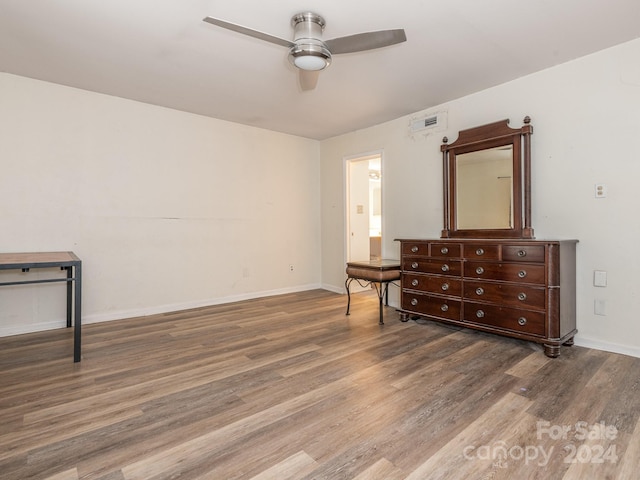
{"x": 364, "y": 208}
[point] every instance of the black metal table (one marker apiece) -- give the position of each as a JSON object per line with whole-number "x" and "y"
{"x": 64, "y": 260}
{"x": 379, "y": 273}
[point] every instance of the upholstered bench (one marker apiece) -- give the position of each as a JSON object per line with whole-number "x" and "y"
{"x": 380, "y": 273}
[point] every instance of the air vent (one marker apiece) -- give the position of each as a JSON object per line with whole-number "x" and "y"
{"x": 427, "y": 123}
{"x": 423, "y": 123}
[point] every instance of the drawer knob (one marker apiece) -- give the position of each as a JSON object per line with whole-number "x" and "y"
{"x": 480, "y": 314}
{"x": 479, "y": 291}
{"x": 444, "y": 250}
{"x": 480, "y": 251}
{"x": 414, "y": 301}
{"x": 445, "y": 268}
{"x": 414, "y": 249}
{"x": 522, "y": 253}
{"x": 479, "y": 270}
{"x": 414, "y": 282}
{"x": 522, "y": 321}
{"x": 414, "y": 265}
{"x": 445, "y": 286}
{"x": 522, "y": 273}
{"x": 444, "y": 307}
{"x": 522, "y": 296}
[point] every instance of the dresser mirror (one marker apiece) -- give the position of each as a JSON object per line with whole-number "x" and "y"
{"x": 487, "y": 182}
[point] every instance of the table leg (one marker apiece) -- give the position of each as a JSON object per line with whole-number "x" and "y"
{"x": 77, "y": 336}
{"x": 69, "y": 294}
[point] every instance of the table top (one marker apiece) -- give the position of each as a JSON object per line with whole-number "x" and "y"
{"x": 384, "y": 264}
{"x": 37, "y": 260}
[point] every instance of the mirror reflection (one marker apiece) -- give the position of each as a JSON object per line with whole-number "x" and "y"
{"x": 484, "y": 188}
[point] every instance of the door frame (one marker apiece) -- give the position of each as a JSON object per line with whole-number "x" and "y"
{"x": 347, "y": 200}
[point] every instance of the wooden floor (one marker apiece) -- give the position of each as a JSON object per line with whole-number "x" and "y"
{"x": 288, "y": 387}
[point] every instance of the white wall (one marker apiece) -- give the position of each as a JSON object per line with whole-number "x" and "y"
{"x": 586, "y": 119}
{"x": 167, "y": 210}
{"x": 171, "y": 210}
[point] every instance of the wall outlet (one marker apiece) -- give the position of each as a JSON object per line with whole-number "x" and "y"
{"x": 600, "y": 190}
{"x": 291, "y": 268}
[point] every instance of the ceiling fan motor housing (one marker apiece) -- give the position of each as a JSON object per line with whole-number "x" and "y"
{"x": 309, "y": 51}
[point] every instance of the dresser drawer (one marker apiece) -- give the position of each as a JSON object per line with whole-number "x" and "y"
{"x": 428, "y": 265}
{"x": 523, "y": 321}
{"x": 511, "y": 295}
{"x": 415, "y": 248}
{"x": 429, "y": 305}
{"x": 479, "y": 251}
{"x": 510, "y": 272}
{"x": 447, "y": 250}
{"x": 523, "y": 253}
{"x": 434, "y": 284}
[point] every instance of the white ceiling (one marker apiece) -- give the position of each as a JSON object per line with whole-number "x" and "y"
{"x": 161, "y": 52}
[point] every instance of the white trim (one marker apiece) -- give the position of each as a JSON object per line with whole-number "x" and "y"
{"x": 607, "y": 347}
{"x": 32, "y": 328}
{"x": 332, "y": 288}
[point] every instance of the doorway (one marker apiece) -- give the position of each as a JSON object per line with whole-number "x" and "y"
{"x": 364, "y": 207}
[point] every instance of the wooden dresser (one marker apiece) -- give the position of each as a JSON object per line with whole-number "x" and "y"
{"x": 518, "y": 288}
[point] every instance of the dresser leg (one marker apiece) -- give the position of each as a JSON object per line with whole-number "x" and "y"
{"x": 404, "y": 317}
{"x": 552, "y": 351}
{"x": 568, "y": 343}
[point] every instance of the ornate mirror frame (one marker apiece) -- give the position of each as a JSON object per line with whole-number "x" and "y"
{"x": 493, "y": 135}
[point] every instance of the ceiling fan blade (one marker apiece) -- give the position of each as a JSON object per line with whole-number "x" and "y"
{"x": 308, "y": 79}
{"x": 365, "y": 41}
{"x": 249, "y": 31}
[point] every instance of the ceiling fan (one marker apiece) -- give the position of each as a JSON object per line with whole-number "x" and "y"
{"x": 308, "y": 52}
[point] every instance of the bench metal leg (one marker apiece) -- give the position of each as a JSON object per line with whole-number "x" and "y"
{"x": 382, "y": 289}
{"x": 380, "y": 295}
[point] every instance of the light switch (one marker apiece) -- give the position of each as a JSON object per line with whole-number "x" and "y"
{"x": 599, "y": 278}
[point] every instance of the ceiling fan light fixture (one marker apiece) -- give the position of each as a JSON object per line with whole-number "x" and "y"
{"x": 310, "y": 57}
{"x": 310, "y": 62}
